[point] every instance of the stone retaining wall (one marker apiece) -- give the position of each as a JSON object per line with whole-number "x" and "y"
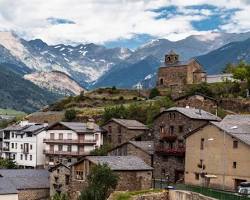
{"x": 186, "y": 195}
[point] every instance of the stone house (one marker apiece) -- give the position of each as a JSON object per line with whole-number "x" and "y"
{"x": 141, "y": 149}
{"x": 217, "y": 154}
{"x": 175, "y": 73}
{"x": 59, "y": 179}
{"x": 199, "y": 101}
{"x": 24, "y": 184}
{"x": 169, "y": 128}
{"x": 119, "y": 131}
{"x": 134, "y": 173}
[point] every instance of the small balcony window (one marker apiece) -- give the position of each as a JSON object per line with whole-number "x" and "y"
{"x": 235, "y": 144}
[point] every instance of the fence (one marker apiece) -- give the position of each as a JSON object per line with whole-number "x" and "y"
{"x": 217, "y": 194}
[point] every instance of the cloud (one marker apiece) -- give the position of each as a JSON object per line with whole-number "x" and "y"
{"x": 106, "y": 21}
{"x": 55, "y": 21}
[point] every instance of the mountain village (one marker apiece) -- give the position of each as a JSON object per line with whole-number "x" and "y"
{"x": 189, "y": 146}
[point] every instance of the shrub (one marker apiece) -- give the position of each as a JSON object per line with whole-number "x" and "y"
{"x": 154, "y": 93}
{"x": 70, "y": 115}
{"x": 101, "y": 181}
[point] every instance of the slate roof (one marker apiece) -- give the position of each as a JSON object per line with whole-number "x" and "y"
{"x": 130, "y": 123}
{"x": 78, "y": 127}
{"x": 193, "y": 113}
{"x": 147, "y": 146}
{"x": 12, "y": 180}
{"x": 121, "y": 163}
{"x": 237, "y": 126}
{"x": 15, "y": 127}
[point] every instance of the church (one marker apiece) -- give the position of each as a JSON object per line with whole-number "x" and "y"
{"x": 175, "y": 73}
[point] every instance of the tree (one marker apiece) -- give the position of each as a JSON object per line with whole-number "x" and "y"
{"x": 7, "y": 164}
{"x": 58, "y": 196}
{"x": 154, "y": 93}
{"x": 101, "y": 181}
{"x": 70, "y": 115}
{"x": 102, "y": 151}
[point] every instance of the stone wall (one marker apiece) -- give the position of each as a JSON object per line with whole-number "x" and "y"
{"x": 134, "y": 180}
{"x": 186, "y": 195}
{"x": 58, "y": 180}
{"x": 173, "y": 165}
{"x": 33, "y": 194}
{"x": 236, "y": 105}
{"x": 149, "y": 196}
{"x": 128, "y": 149}
{"x": 125, "y": 134}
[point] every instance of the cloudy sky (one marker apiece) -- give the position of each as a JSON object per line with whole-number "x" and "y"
{"x": 121, "y": 22}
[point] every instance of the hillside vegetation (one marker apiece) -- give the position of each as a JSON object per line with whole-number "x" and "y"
{"x": 19, "y": 94}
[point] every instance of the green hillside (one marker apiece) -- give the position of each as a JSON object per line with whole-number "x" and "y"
{"x": 20, "y": 94}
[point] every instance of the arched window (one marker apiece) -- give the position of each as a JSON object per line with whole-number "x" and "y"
{"x": 161, "y": 81}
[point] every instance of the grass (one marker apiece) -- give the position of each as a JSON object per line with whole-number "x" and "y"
{"x": 11, "y": 112}
{"x": 129, "y": 195}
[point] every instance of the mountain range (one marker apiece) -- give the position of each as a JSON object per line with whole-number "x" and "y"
{"x": 68, "y": 69}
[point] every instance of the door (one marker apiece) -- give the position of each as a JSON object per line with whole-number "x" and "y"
{"x": 237, "y": 183}
{"x": 81, "y": 138}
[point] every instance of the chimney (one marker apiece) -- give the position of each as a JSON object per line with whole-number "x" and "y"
{"x": 90, "y": 124}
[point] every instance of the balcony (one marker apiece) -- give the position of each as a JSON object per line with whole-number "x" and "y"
{"x": 178, "y": 151}
{"x": 168, "y": 137}
{"x": 66, "y": 153}
{"x": 58, "y": 141}
{"x": 6, "y": 149}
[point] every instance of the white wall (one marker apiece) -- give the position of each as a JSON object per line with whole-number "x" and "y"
{"x": 9, "y": 197}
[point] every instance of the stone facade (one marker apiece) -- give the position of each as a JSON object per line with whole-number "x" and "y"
{"x": 33, "y": 194}
{"x": 128, "y": 180}
{"x": 198, "y": 101}
{"x": 59, "y": 179}
{"x": 175, "y": 74}
{"x": 118, "y": 134}
{"x": 130, "y": 149}
{"x": 169, "y": 130}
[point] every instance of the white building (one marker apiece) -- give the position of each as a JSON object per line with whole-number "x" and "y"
{"x": 67, "y": 141}
{"x": 218, "y": 78}
{"x": 23, "y": 143}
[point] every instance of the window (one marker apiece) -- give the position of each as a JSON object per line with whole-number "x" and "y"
{"x": 12, "y": 145}
{"x": 163, "y": 172}
{"x": 51, "y": 159}
{"x": 58, "y": 171}
{"x": 21, "y": 136}
{"x": 29, "y": 134}
{"x": 197, "y": 176}
{"x": 171, "y": 129}
{"x": 161, "y": 81}
{"x": 30, "y": 146}
{"x": 15, "y": 145}
{"x": 21, "y": 146}
{"x": 60, "y": 136}
{"x": 12, "y": 135}
{"x": 69, "y": 160}
{"x": 119, "y": 139}
{"x": 60, "y": 147}
{"x": 66, "y": 179}
{"x": 52, "y": 136}
{"x": 234, "y": 165}
{"x": 30, "y": 157}
{"x": 26, "y": 157}
{"x": 110, "y": 129}
{"x": 21, "y": 156}
{"x": 202, "y": 143}
{"x": 235, "y": 144}
{"x": 14, "y": 156}
{"x": 79, "y": 175}
{"x": 69, "y": 148}
{"x": 181, "y": 129}
{"x": 162, "y": 129}
{"x": 69, "y": 136}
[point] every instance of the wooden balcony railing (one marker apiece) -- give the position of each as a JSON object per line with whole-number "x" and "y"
{"x": 168, "y": 137}
{"x": 67, "y": 153}
{"x": 177, "y": 151}
{"x": 66, "y": 141}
